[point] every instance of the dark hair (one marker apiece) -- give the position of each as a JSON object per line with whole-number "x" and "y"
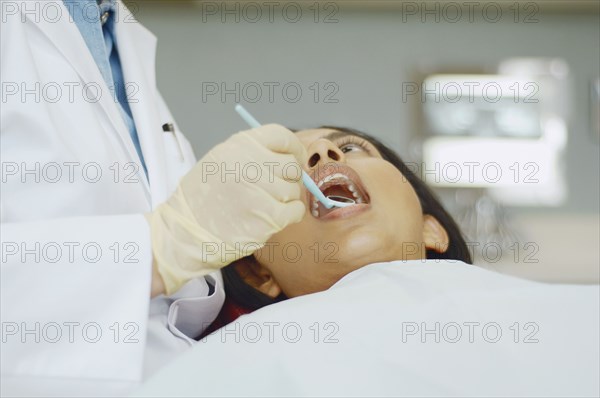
{"x": 253, "y": 299}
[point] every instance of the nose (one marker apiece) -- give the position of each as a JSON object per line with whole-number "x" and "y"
{"x": 323, "y": 151}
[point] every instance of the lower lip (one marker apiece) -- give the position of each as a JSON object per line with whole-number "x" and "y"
{"x": 345, "y": 212}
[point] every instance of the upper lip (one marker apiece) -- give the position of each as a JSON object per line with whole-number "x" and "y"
{"x": 325, "y": 177}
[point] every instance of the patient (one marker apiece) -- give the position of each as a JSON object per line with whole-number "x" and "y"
{"x": 396, "y": 218}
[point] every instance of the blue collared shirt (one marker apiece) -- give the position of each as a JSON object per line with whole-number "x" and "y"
{"x": 100, "y": 39}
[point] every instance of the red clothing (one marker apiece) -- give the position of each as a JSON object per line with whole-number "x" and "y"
{"x": 229, "y": 313}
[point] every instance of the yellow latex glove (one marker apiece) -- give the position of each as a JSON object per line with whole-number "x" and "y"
{"x": 233, "y": 200}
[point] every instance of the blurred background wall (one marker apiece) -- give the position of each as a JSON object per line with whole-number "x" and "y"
{"x": 350, "y": 60}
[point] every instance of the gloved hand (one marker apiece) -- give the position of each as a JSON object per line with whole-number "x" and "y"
{"x": 231, "y": 202}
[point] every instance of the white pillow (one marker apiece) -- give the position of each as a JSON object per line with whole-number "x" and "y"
{"x": 371, "y": 339}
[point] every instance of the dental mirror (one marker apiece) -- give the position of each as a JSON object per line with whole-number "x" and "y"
{"x": 341, "y": 199}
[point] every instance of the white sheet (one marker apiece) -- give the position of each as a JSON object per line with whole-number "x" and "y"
{"x": 375, "y": 356}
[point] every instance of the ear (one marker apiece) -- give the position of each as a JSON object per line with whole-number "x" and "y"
{"x": 258, "y": 276}
{"x": 435, "y": 236}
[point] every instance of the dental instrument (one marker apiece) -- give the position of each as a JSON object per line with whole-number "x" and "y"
{"x": 312, "y": 187}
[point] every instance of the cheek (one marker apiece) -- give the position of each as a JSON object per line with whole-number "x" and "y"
{"x": 396, "y": 203}
{"x": 395, "y": 226}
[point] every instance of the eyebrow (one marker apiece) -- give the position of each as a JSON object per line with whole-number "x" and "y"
{"x": 335, "y": 135}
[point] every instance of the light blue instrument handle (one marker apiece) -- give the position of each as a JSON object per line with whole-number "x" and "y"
{"x": 314, "y": 189}
{"x": 308, "y": 182}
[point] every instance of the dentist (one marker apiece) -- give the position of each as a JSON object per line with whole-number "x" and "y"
{"x": 103, "y": 205}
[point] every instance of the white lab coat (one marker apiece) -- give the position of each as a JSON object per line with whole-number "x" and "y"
{"x": 76, "y": 252}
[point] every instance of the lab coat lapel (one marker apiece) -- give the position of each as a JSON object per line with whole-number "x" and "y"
{"x": 137, "y": 51}
{"x": 68, "y": 40}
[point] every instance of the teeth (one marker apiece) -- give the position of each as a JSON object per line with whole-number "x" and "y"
{"x": 315, "y": 213}
{"x": 360, "y": 200}
{"x": 352, "y": 188}
{"x": 315, "y": 205}
{"x": 331, "y": 177}
{"x": 336, "y": 175}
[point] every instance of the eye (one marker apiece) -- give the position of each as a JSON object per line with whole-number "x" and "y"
{"x": 351, "y": 148}
{"x": 353, "y": 144}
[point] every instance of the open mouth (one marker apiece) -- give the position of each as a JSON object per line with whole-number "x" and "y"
{"x": 338, "y": 182}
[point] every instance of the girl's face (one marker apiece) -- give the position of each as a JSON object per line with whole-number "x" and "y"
{"x": 387, "y": 223}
